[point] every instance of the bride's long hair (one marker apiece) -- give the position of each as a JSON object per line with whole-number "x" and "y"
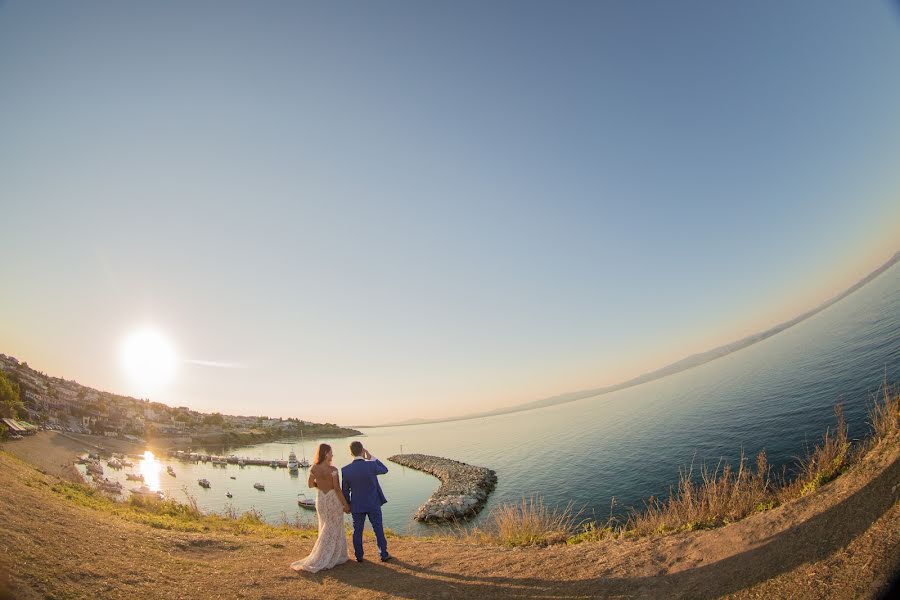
{"x": 321, "y": 452}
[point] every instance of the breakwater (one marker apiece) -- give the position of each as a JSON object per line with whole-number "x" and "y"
{"x": 463, "y": 492}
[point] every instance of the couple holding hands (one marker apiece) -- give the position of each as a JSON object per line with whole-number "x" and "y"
{"x": 359, "y": 494}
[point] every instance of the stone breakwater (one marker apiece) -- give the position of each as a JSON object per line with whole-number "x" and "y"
{"x": 463, "y": 492}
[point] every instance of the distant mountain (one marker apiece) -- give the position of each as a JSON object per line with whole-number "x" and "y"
{"x": 682, "y": 365}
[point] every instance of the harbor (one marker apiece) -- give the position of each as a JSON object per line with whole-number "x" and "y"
{"x": 232, "y": 459}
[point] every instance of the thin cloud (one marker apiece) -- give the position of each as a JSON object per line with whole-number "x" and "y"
{"x": 216, "y": 364}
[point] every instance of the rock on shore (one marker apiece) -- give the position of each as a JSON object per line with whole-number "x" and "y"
{"x": 463, "y": 492}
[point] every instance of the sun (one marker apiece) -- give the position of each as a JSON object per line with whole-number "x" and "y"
{"x": 148, "y": 358}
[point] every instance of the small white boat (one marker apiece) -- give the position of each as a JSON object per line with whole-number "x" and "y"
{"x": 260, "y": 487}
{"x": 134, "y": 477}
{"x": 274, "y": 464}
{"x": 146, "y": 492}
{"x": 304, "y": 502}
{"x": 303, "y": 462}
{"x": 110, "y": 486}
{"x": 292, "y": 463}
{"x": 228, "y": 494}
{"x": 114, "y": 463}
{"x": 204, "y": 483}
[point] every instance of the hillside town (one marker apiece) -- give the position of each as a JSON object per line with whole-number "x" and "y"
{"x": 55, "y": 403}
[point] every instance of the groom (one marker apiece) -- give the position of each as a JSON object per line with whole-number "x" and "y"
{"x": 361, "y": 489}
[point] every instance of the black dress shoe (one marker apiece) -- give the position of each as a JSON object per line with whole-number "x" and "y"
{"x": 386, "y": 558}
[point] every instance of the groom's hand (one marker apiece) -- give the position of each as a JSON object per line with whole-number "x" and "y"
{"x": 366, "y": 454}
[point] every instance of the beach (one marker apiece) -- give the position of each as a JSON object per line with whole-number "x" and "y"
{"x": 54, "y": 452}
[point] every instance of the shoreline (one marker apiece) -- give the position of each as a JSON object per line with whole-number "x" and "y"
{"x": 463, "y": 492}
{"x": 840, "y": 541}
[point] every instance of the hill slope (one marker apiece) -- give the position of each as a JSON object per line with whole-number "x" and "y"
{"x": 842, "y": 541}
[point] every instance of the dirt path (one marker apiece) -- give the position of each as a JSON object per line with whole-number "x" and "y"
{"x": 840, "y": 542}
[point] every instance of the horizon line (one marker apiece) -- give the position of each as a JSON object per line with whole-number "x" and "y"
{"x": 679, "y": 366}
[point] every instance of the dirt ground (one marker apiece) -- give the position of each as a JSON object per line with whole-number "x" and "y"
{"x": 842, "y": 541}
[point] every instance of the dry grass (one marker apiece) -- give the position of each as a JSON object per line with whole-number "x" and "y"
{"x": 176, "y": 516}
{"x": 713, "y": 498}
{"x": 884, "y": 414}
{"x": 825, "y": 462}
{"x": 721, "y": 495}
{"x": 528, "y": 523}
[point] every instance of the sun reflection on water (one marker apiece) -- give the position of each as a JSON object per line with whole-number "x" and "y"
{"x": 150, "y": 468}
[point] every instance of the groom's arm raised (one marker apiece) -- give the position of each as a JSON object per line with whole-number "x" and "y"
{"x": 380, "y": 469}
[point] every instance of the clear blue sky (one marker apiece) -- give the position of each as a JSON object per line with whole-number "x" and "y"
{"x": 375, "y": 211}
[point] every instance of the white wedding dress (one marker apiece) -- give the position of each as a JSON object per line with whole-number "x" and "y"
{"x": 331, "y": 547}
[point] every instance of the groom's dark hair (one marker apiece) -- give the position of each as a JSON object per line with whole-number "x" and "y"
{"x": 355, "y": 448}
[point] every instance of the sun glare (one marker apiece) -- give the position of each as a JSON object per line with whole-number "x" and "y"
{"x": 148, "y": 358}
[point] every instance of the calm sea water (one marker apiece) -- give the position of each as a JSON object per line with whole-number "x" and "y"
{"x": 776, "y": 395}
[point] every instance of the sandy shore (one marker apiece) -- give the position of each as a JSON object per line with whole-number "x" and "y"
{"x": 54, "y": 453}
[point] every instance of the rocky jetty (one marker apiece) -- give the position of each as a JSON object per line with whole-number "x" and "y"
{"x": 463, "y": 492}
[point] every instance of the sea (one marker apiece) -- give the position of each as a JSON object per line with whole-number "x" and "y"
{"x": 606, "y": 453}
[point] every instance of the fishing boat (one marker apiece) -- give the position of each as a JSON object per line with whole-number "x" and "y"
{"x": 134, "y": 477}
{"x": 204, "y": 483}
{"x": 110, "y": 486}
{"x": 304, "y": 502}
{"x": 260, "y": 487}
{"x": 303, "y": 462}
{"x": 292, "y": 463}
{"x": 145, "y": 492}
{"x": 170, "y": 471}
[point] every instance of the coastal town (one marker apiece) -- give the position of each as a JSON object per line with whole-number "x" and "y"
{"x": 34, "y": 400}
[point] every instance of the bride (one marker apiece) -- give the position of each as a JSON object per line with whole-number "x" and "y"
{"x": 331, "y": 546}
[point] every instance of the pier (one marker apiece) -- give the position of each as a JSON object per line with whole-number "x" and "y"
{"x": 464, "y": 488}
{"x": 231, "y": 459}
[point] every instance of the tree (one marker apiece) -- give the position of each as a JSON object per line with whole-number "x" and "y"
{"x": 10, "y": 401}
{"x": 214, "y": 419}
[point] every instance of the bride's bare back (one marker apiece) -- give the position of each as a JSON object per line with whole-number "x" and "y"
{"x": 324, "y": 477}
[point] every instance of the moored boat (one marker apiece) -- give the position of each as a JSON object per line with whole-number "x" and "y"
{"x": 260, "y": 487}
{"x": 303, "y": 462}
{"x": 145, "y": 492}
{"x": 110, "y": 486}
{"x": 304, "y": 502}
{"x": 204, "y": 483}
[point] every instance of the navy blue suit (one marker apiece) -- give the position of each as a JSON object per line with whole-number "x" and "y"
{"x": 362, "y": 491}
